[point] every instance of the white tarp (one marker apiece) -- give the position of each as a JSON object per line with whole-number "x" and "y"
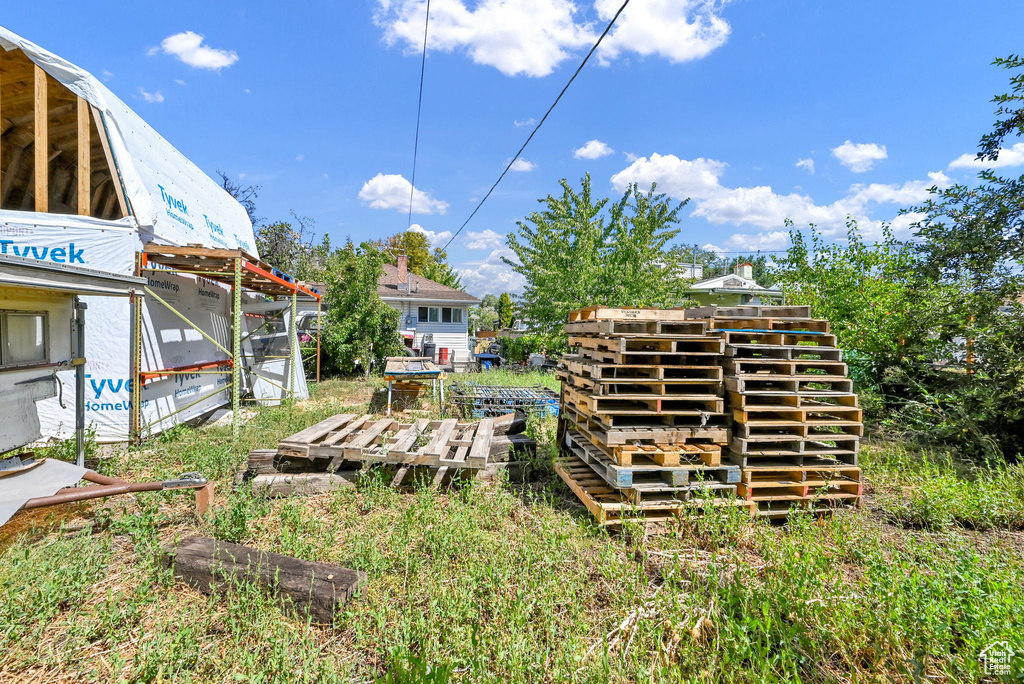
{"x": 172, "y": 202}
{"x": 171, "y": 198}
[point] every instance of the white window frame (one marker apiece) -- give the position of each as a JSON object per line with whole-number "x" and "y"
{"x": 4, "y": 327}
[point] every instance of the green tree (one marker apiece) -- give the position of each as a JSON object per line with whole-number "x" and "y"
{"x": 360, "y": 330}
{"x": 880, "y": 309}
{"x": 421, "y": 260}
{"x": 505, "y": 311}
{"x": 482, "y": 318}
{"x": 972, "y": 239}
{"x": 580, "y": 251}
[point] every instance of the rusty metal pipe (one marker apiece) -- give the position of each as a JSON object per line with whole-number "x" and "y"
{"x": 73, "y": 494}
{"x": 93, "y": 476}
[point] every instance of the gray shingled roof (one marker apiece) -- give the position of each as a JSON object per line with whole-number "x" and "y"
{"x": 422, "y": 288}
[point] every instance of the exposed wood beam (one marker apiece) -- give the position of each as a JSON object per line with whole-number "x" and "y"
{"x": 118, "y": 190}
{"x": 84, "y": 160}
{"x": 42, "y": 144}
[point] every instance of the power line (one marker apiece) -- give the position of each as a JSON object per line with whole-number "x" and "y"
{"x": 419, "y": 108}
{"x": 540, "y": 123}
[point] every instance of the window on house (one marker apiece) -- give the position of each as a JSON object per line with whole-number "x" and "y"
{"x": 23, "y": 338}
{"x": 456, "y": 315}
{"x": 446, "y": 315}
{"x": 423, "y": 313}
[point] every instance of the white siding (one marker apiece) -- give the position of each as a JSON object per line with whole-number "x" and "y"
{"x": 452, "y": 336}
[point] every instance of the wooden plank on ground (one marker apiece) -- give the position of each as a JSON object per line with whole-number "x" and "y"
{"x": 316, "y": 589}
{"x": 315, "y": 432}
{"x": 481, "y": 448}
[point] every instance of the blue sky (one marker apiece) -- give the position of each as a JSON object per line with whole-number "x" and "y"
{"x": 758, "y": 111}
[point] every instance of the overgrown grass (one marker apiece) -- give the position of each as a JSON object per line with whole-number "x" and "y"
{"x": 935, "y": 490}
{"x": 508, "y": 377}
{"x": 516, "y": 584}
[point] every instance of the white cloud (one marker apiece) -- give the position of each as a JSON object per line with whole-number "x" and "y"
{"x": 525, "y": 122}
{"x": 485, "y": 239}
{"x": 150, "y": 97}
{"x": 630, "y": 157}
{"x": 299, "y": 157}
{"x": 491, "y": 275}
{"x": 677, "y": 177}
{"x": 592, "y": 149}
{"x": 188, "y": 47}
{"x": 247, "y": 91}
{"x": 1013, "y": 156}
{"x": 859, "y": 157}
{"x": 760, "y": 242}
{"x": 391, "y": 191}
{"x": 522, "y": 165}
{"x": 677, "y": 30}
{"x": 107, "y": 75}
{"x": 762, "y": 207}
{"x": 806, "y": 164}
{"x": 434, "y": 238}
{"x": 532, "y": 37}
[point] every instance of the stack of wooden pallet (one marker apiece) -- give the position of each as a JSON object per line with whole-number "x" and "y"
{"x": 643, "y": 415}
{"x": 796, "y": 424}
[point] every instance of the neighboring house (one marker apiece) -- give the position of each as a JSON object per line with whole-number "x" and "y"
{"x": 735, "y": 289}
{"x": 429, "y": 308}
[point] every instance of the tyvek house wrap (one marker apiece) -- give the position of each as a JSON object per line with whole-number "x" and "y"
{"x": 171, "y": 202}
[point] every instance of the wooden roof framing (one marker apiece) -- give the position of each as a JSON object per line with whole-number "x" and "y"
{"x": 53, "y": 156}
{"x": 219, "y": 265}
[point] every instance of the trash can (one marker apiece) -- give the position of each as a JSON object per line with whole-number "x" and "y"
{"x": 442, "y": 356}
{"x": 428, "y": 350}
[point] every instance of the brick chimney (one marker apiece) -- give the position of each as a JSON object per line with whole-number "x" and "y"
{"x": 403, "y": 268}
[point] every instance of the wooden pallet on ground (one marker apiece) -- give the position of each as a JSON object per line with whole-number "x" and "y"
{"x": 810, "y": 399}
{"x": 610, "y": 507}
{"x": 347, "y": 437}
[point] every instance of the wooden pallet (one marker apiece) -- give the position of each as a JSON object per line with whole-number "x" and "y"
{"x": 644, "y": 473}
{"x": 666, "y": 454}
{"x": 694, "y": 346}
{"x": 816, "y": 412}
{"x": 776, "y": 338}
{"x": 708, "y": 423}
{"x": 641, "y": 386}
{"x": 611, "y": 437}
{"x": 811, "y": 399}
{"x": 599, "y": 313}
{"x": 762, "y": 311}
{"x": 587, "y": 368}
{"x": 813, "y": 429}
{"x": 610, "y": 507}
{"x": 638, "y": 328}
{"x": 347, "y": 437}
{"x": 781, "y": 384}
{"x": 762, "y": 323}
{"x": 810, "y": 506}
{"x": 805, "y": 370}
{"x": 794, "y": 353}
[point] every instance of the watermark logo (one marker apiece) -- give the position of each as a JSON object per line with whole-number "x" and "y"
{"x": 996, "y": 658}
